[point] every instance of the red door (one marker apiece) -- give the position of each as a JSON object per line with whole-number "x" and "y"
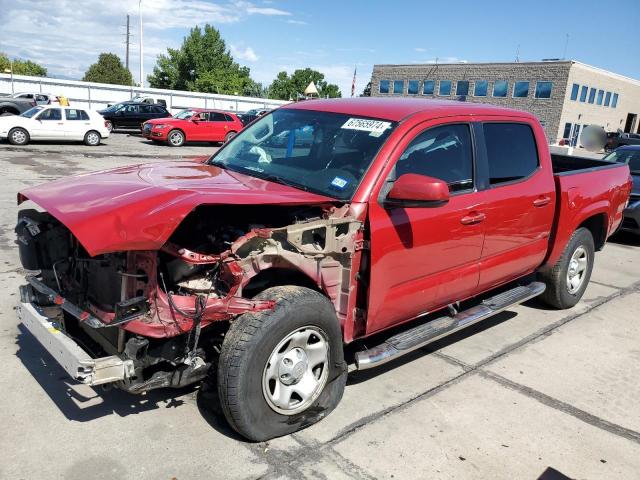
{"x": 520, "y": 202}
{"x": 217, "y": 127}
{"x": 427, "y": 257}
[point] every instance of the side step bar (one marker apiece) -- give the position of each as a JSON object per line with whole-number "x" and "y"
{"x": 424, "y": 334}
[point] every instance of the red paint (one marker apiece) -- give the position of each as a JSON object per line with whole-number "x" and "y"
{"x": 195, "y": 130}
{"x": 420, "y": 259}
{"x": 138, "y": 207}
{"x": 419, "y": 188}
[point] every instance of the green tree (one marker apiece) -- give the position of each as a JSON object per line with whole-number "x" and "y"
{"x": 204, "y": 64}
{"x": 22, "y": 67}
{"x": 285, "y": 87}
{"x": 108, "y": 69}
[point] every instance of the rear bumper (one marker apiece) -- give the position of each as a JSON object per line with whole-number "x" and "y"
{"x": 73, "y": 359}
{"x": 631, "y": 219}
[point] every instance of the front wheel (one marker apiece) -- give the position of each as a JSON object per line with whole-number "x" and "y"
{"x": 175, "y": 138}
{"x": 569, "y": 277}
{"x": 283, "y": 369}
{"x": 18, "y": 136}
{"x": 109, "y": 125}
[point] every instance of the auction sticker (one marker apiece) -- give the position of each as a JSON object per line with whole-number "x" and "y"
{"x": 374, "y": 127}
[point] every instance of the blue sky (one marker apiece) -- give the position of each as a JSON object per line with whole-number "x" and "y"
{"x": 331, "y": 36}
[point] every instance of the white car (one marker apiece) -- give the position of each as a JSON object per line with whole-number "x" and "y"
{"x": 39, "y": 98}
{"x": 47, "y": 122}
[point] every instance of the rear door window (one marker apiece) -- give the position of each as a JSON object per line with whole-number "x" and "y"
{"x": 75, "y": 114}
{"x": 511, "y": 151}
{"x": 217, "y": 117}
{"x": 443, "y": 152}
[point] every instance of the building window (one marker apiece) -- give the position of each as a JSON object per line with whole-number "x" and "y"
{"x": 500, "y": 88}
{"x": 521, "y": 89}
{"x": 384, "y": 86}
{"x": 583, "y": 93}
{"x": 592, "y": 95}
{"x": 445, "y": 88}
{"x": 607, "y": 99}
{"x": 574, "y": 91}
{"x": 614, "y": 101}
{"x": 428, "y": 87}
{"x": 398, "y": 87}
{"x": 481, "y": 88}
{"x": 462, "y": 88}
{"x": 600, "y": 95}
{"x": 567, "y": 131}
{"x": 543, "y": 89}
{"x": 413, "y": 87}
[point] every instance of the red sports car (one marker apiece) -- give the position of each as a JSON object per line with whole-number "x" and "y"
{"x": 193, "y": 125}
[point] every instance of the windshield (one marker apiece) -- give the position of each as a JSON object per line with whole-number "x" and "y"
{"x": 631, "y": 157}
{"x": 114, "y": 107}
{"x": 326, "y": 153}
{"x": 31, "y": 112}
{"x": 184, "y": 114}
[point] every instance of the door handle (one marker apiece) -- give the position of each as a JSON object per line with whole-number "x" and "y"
{"x": 541, "y": 201}
{"x": 473, "y": 218}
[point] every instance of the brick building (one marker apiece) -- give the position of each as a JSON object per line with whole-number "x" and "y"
{"x": 565, "y": 95}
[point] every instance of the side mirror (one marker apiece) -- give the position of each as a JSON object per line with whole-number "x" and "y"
{"x": 413, "y": 190}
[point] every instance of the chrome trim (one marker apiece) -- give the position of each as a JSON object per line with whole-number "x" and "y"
{"x": 386, "y": 351}
{"x": 71, "y": 357}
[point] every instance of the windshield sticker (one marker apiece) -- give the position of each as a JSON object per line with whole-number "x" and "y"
{"x": 374, "y": 127}
{"x": 339, "y": 182}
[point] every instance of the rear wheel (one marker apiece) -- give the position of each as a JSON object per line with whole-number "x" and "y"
{"x": 229, "y": 136}
{"x": 281, "y": 370}
{"x": 569, "y": 277}
{"x": 92, "y": 138}
{"x": 18, "y": 136}
{"x": 175, "y": 138}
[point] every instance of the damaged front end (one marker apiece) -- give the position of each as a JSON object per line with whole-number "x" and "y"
{"x": 159, "y": 316}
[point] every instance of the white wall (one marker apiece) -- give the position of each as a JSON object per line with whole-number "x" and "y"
{"x": 96, "y": 96}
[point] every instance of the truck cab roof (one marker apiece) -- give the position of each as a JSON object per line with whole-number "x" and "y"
{"x": 397, "y": 109}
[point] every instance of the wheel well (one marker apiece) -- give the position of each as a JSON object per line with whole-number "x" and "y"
{"x": 9, "y": 110}
{"x": 179, "y": 130}
{"x": 274, "y": 277}
{"x": 597, "y": 225}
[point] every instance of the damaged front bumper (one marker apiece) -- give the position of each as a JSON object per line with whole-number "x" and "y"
{"x": 73, "y": 358}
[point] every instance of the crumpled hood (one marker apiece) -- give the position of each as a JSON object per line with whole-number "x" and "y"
{"x": 139, "y": 207}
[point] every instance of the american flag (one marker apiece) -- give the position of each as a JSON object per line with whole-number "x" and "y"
{"x": 353, "y": 83}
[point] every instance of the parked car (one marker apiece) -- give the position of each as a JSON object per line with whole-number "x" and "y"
{"x": 39, "y": 98}
{"x": 630, "y": 155}
{"x": 131, "y": 114}
{"x": 619, "y": 139}
{"x": 15, "y": 106}
{"x": 250, "y": 115}
{"x": 54, "y": 123}
{"x": 251, "y": 270}
{"x": 194, "y": 125}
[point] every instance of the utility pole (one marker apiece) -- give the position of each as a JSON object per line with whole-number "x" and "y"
{"x": 566, "y": 44}
{"x": 141, "y": 51}
{"x": 127, "y": 43}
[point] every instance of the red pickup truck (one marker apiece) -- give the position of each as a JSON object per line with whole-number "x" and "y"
{"x": 254, "y": 269}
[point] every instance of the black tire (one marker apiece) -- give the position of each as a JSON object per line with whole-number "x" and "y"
{"x": 175, "y": 138}
{"x": 249, "y": 344}
{"x": 109, "y": 125}
{"x": 557, "y": 293}
{"x": 92, "y": 138}
{"x": 18, "y": 136}
{"x": 229, "y": 136}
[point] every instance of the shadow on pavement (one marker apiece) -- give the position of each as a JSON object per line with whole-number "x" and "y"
{"x": 82, "y": 403}
{"x": 625, "y": 239}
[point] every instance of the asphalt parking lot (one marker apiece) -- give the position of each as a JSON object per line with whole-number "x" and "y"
{"x": 527, "y": 394}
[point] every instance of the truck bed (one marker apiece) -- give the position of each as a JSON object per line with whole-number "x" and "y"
{"x": 586, "y": 188}
{"x": 570, "y": 164}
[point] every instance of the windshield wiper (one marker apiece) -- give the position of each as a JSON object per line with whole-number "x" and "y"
{"x": 277, "y": 179}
